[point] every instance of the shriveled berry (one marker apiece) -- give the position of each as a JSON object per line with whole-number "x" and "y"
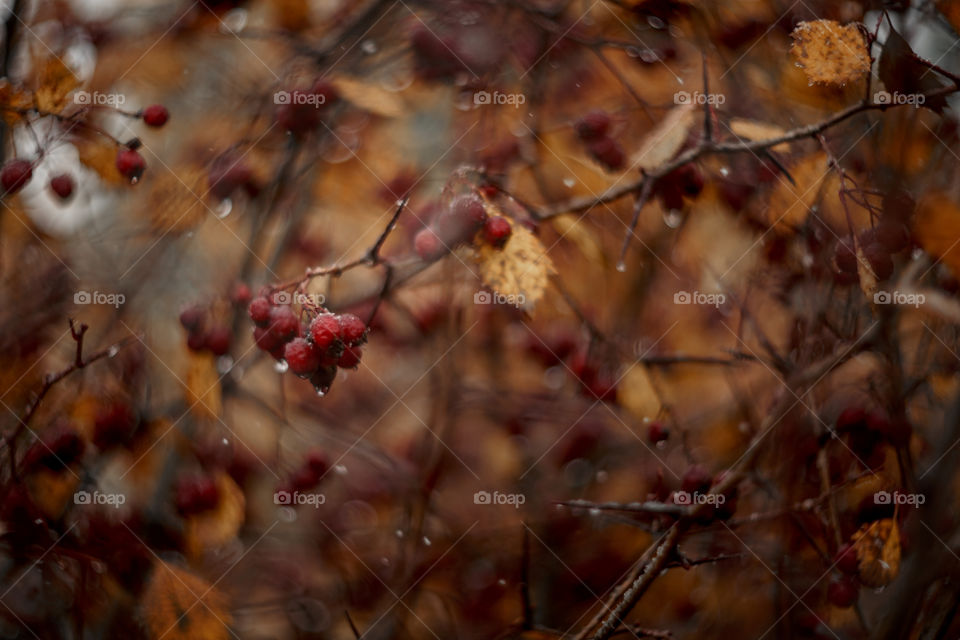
{"x": 217, "y": 341}
{"x": 842, "y": 592}
{"x": 130, "y": 164}
{"x": 846, "y": 559}
{"x": 259, "y": 311}
{"x": 301, "y": 356}
{"x": 427, "y": 244}
{"x": 283, "y": 323}
{"x": 15, "y": 174}
{"x": 593, "y": 125}
{"x": 350, "y": 358}
{"x": 879, "y": 258}
{"x": 191, "y": 317}
{"x": 657, "y": 432}
{"x": 497, "y": 231}
{"x": 156, "y": 115}
{"x": 324, "y": 331}
{"x": 352, "y": 329}
{"x": 62, "y": 185}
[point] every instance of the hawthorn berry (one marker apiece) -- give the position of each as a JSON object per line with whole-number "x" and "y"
{"x": 266, "y": 339}
{"x": 196, "y": 341}
{"x": 15, "y": 174}
{"x": 352, "y": 329}
{"x": 62, "y": 185}
{"x": 192, "y": 317}
{"x": 113, "y": 424}
{"x": 427, "y": 244}
{"x": 156, "y": 115}
{"x": 879, "y": 258}
{"x": 217, "y": 341}
{"x": 302, "y": 357}
{"x": 196, "y": 494}
{"x": 240, "y": 294}
{"x": 283, "y": 323}
{"x": 325, "y": 331}
{"x": 497, "y": 231}
{"x": 130, "y": 164}
{"x": 470, "y": 209}
{"x": 259, "y": 311}
{"x": 842, "y": 592}
{"x": 657, "y": 432}
{"x": 350, "y": 358}
{"x": 607, "y": 152}
{"x": 846, "y": 559}
{"x": 893, "y": 235}
{"x": 593, "y": 125}
{"x": 318, "y": 461}
{"x": 845, "y": 257}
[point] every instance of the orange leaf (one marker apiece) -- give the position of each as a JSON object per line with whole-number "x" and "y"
{"x": 830, "y": 53}
{"x": 55, "y": 81}
{"x": 937, "y": 228}
{"x": 178, "y": 605}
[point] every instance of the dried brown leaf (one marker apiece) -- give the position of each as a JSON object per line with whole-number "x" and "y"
{"x": 178, "y": 605}
{"x": 664, "y": 141}
{"x": 830, "y": 53}
{"x": 878, "y": 552}
{"x": 519, "y": 271}
{"x": 54, "y": 82}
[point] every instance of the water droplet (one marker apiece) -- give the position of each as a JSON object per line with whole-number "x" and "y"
{"x": 224, "y": 364}
{"x": 399, "y": 533}
{"x": 113, "y": 351}
{"x": 621, "y": 266}
{"x": 502, "y": 582}
{"x": 602, "y": 476}
{"x": 569, "y": 182}
{"x": 225, "y": 441}
{"x": 321, "y": 392}
{"x": 340, "y": 469}
{"x": 649, "y": 56}
{"x": 369, "y": 47}
{"x": 224, "y": 208}
{"x": 280, "y": 366}
{"x": 594, "y": 512}
{"x": 385, "y": 561}
{"x": 656, "y": 22}
{"x": 426, "y": 541}
{"x": 633, "y": 52}
{"x": 724, "y": 171}
{"x": 672, "y": 218}
{"x": 465, "y": 101}
{"x": 233, "y": 21}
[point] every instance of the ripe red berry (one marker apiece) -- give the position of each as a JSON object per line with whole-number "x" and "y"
{"x": 284, "y": 323}
{"x": 352, "y": 329}
{"x": 851, "y": 418}
{"x": 113, "y": 424}
{"x": 156, "y": 115}
{"x": 130, "y": 164}
{"x": 846, "y": 559}
{"x": 842, "y": 592}
{"x": 192, "y": 317}
{"x": 324, "y": 331}
{"x": 607, "y": 152}
{"x": 217, "y": 341}
{"x": 470, "y": 209}
{"x": 879, "y": 258}
{"x": 593, "y": 125}
{"x": 15, "y": 174}
{"x": 497, "y": 231}
{"x": 62, "y": 185}
{"x": 195, "y": 494}
{"x": 302, "y": 357}
{"x": 196, "y": 341}
{"x": 259, "y": 311}
{"x": 350, "y": 358}
{"x": 696, "y": 479}
{"x": 240, "y": 294}
{"x": 657, "y": 432}
{"x": 845, "y": 257}
{"x": 318, "y": 461}
{"x": 266, "y": 339}
{"x": 427, "y": 244}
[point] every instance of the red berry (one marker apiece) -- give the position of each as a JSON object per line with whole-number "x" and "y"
{"x": 318, "y": 461}
{"x": 350, "y": 358}
{"x": 156, "y": 115}
{"x": 893, "y": 235}
{"x": 593, "y": 125}
{"x": 62, "y": 185}
{"x": 470, "y": 209}
{"x": 324, "y": 331}
{"x": 301, "y": 356}
{"x": 325, "y": 91}
{"x": 284, "y": 323}
{"x": 845, "y": 257}
{"x": 195, "y": 494}
{"x": 227, "y": 174}
{"x": 670, "y": 194}
{"x": 696, "y": 479}
{"x": 301, "y": 112}
{"x": 15, "y": 174}
{"x": 217, "y": 341}
{"x": 56, "y": 450}
{"x": 303, "y": 479}
{"x": 497, "y": 231}
{"x": 842, "y": 592}
{"x": 240, "y": 294}
{"x": 607, "y": 152}
{"x": 130, "y": 164}
{"x": 879, "y": 258}
{"x": 427, "y": 245}
{"x": 113, "y": 425}
{"x": 846, "y": 559}
{"x": 266, "y": 340}
{"x": 259, "y": 311}
{"x": 657, "y": 432}
{"x": 196, "y": 341}
{"x": 851, "y": 418}
{"x": 352, "y": 329}
{"x": 191, "y": 318}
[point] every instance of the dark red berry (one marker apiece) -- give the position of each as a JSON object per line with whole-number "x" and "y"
{"x": 303, "y": 479}
{"x": 893, "y": 235}
{"x": 879, "y": 258}
{"x": 851, "y": 419}
{"x": 497, "y": 231}
{"x": 607, "y": 152}
{"x": 318, "y": 461}
{"x": 657, "y": 432}
{"x": 195, "y": 494}
{"x": 846, "y": 559}
{"x": 62, "y": 185}
{"x": 842, "y": 592}
{"x": 196, "y": 341}
{"x": 192, "y": 317}
{"x": 130, "y": 164}
{"x": 350, "y": 358}
{"x": 427, "y": 245}
{"x": 56, "y": 449}
{"x": 15, "y": 174}
{"x": 217, "y": 341}
{"x": 284, "y": 323}
{"x": 301, "y": 357}
{"x": 266, "y": 339}
{"x": 470, "y": 209}
{"x": 593, "y": 125}
{"x": 156, "y": 115}
{"x": 845, "y": 257}
{"x": 671, "y": 195}
{"x": 324, "y": 331}
{"x": 325, "y": 91}
{"x": 696, "y": 479}
{"x": 259, "y": 311}
{"x": 240, "y": 294}
{"x": 228, "y": 173}
{"x": 352, "y": 329}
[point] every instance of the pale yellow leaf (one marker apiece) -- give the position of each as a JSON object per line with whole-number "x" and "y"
{"x": 758, "y": 131}
{"x": 518, "y": 271}
{"x": 830, "y": 53}
{"x": 664, "y": 141}
{"x": 370, "y": 97}
{"x": 572, "y": 227}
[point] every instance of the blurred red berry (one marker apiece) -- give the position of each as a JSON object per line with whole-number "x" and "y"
{"x": 259, "y": 311}
{"x": 301, "y": 357}
{"x": 130, "y": 164}
{"x": 497, "y": 231}
{"x": 62, "y": 185}
{"x": 15, "y": 174}
{"x": 156, "y": 115}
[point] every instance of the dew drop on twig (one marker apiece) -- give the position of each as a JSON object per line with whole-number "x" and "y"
{"x": 224, "y": 208}
{"x": 281, "y": 366}
{"x": 621, "y": 266}
{"x": 113, "y": 351}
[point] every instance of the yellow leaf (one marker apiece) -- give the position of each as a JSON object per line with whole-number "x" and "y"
{"x": 758, "y": 131}
{"x": 54, "y": 82}
{"x": 790, "y": 204}
{"x": 101, "y": 156}
{"x": 214, "y": 528}
{"x": 664, "y": 141}
{"x": 519, "y": 271}
{"x": 937, "y": 229}
{"x": 203, "y": 386}
{"x": 571, "y": 227}
{"x": 830, "y": 53}
{"x": 178, "y": 605}
{"x": 878, "y": 552}
{"x": 637, "y": 394}
{"x": 370, "y": 97}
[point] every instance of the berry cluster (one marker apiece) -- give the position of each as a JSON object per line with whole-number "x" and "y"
{"x": 684, "y": 181}
{"x": 308, "y": 475}
{"x": 593, "y": 130}
{"x": 205, "y": 332}
{"x": 459, "y": 224}
{"x": 314, "y": 350}
{"x": 564, "y": 348}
